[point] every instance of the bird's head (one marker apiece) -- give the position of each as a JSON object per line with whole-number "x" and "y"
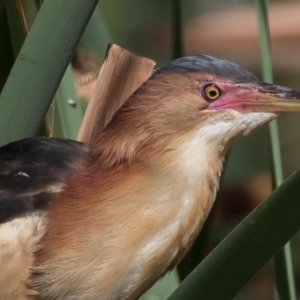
{"x": 215, "y": 97}
{"x": 204, "y": 90}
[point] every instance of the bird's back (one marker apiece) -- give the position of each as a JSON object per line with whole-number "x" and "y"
{"x": 32, "y": 172}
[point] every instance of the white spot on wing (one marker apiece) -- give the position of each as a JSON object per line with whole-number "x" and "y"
{"x": 23, "y": 174}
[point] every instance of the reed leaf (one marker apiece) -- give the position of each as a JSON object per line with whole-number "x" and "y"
{"x": 252, "y": 244}
{"x": 283, "y": 260}
{"x": 40, "y": 66}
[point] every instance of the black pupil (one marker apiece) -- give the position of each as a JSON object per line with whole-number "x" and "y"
{"x": 213, "y": 93}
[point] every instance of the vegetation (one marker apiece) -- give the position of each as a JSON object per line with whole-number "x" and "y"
{"x": 53, "y": 50}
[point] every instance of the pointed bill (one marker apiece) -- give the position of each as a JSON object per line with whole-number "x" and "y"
{"x": 257, "y": 97}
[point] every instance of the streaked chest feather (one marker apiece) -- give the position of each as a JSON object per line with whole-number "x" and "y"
{"x": 185, "y": 190}
{"x": 187, "y": 186}
{"x": 193, "y": 176}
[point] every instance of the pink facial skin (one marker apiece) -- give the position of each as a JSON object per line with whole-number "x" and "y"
{"x": 241, "y": 97}
{"x": 253, "y": 96}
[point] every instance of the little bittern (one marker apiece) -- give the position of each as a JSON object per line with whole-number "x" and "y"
{"x": 106, "y": 221}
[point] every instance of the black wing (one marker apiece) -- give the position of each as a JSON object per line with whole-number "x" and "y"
{"x": 33, "y": 170}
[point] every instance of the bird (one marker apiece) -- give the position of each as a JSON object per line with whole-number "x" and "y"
{"x": 109, "y": 219}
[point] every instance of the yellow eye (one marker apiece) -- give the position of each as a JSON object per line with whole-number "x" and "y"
{"x": 211, "y": 92}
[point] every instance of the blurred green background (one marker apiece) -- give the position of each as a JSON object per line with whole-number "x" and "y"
{"x": 227, "y": 29}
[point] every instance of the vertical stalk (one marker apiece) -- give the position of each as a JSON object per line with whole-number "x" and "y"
{"x": 6, "y": 50}
{"x": 283, "y": 259}
{"x": 17, "y": 24}
{"x": 177, "y": 40}
{"x": 186, "y": 266}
